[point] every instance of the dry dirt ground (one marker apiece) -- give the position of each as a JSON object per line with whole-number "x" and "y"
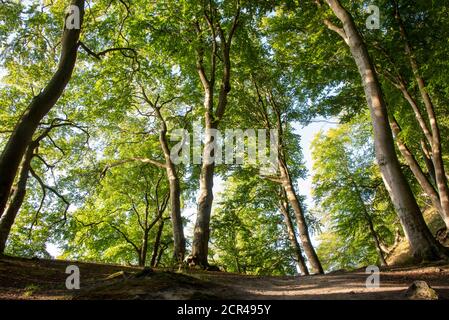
{"x": 45, "y": 279}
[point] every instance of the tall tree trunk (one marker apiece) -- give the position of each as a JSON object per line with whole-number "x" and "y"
{"x": 435, "y": 142}
{"x": 12, "y": 209}
{"x": 303, "y": 229}
{"x": 213, "y": 116}
{"x": 286, "y": 182}
{"x": 144, "y": 249}
{"x": 292, "y": 237}
{"x": 416, "y": 168}
{"x": 377, "y": 243}
{"x": 159, "y": 256}
{"x": 422, "y": 244}
{"x": 202, "y": 230}
{"x": 369, "y": 221}
{"x": 428, "y": 160}
{"x": 39, "y": 107}
{"x": 179, "y": 242}
{"x": 157, "y": 242}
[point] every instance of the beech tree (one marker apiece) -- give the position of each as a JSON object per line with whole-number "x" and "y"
{"x": 94, "y": 164}
{"x": 41, "y": 104}
{"x": 423, "y": 244}
{"x": 349, "y": 192}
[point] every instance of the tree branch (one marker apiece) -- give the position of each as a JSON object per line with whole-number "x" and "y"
{"x": 336, "y": 29}
{"x": 135, "y": 159}
{"x": 99, "y": 55}
{"x": 128, "y": 240}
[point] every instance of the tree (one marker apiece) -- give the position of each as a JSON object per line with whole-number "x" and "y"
{"x": 276, "y": 117}
{"x": 422, "y": 243}
{"x": 20, "y": 189}
{"x": 214, "y": 112}
{"x": 405, "y": 75}
{"x": 348, "y": 189}
{"x": 40, "y": 105}
{"x": 248, "y": 235}
{"x": 123, "y": 220}
{"x": 285, "y": 210}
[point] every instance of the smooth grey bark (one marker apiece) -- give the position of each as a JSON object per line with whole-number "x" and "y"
{"x": 293, "y": 240}
{"x": 213, "y": 116}
{"x": 287, "y": 183}
{"x": 13, "y": 207}
{"x": 422, "y": 244}
{"x": 179, "y": 242}
{"x": 428, "y": 161}
{"x": 414, "y": 166}
{"x": 426, "y": 183}
{"x": 435, "y": 137}
{"x": 301, "y": 223}
{"x": 39, "y": 107}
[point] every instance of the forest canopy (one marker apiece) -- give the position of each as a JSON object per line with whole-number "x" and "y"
{"x": 167, "y": 133}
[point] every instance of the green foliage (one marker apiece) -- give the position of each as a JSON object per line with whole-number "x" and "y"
{"x": 281, "y": 51}
{"x": 109, "y": 225}
{"x": 349, "y": 192}
{"x": 248, "y": 232}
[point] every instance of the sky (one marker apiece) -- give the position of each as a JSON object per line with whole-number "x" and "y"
{"x": 307, "y": 134}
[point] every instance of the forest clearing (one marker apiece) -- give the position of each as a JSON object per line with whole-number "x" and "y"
{"x": 236, "y": 149}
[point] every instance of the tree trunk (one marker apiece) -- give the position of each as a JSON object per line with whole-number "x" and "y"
{"x": 157, "y": 242}
{"x": 201, "y": 234}
{"x": 377, "y": 244}
{"x": 293, "y": 241}
{"x": 213, "y": 117}
{"x": 179, "y": 241}
{"x": 39, "y": 107}
{"x": 422, "y": 244}
{"x": 300, "y": 220}
{"x": 429, "y": 164}
{"x": 437, "y": 157}
{"x": 202, "y": 231}
{"x": 416, "y": 168}
{"x": 13, "y": 208}
{"x": 144, "y": 249}
{"x": 159, "y": 256}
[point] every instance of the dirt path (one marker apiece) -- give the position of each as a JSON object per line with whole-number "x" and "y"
{"x": 45, "y": 279}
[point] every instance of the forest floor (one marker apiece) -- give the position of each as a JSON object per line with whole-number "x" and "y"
{"x": 45, "y": 279}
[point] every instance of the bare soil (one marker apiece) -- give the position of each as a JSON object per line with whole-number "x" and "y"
{"x": 45, "y": 279}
